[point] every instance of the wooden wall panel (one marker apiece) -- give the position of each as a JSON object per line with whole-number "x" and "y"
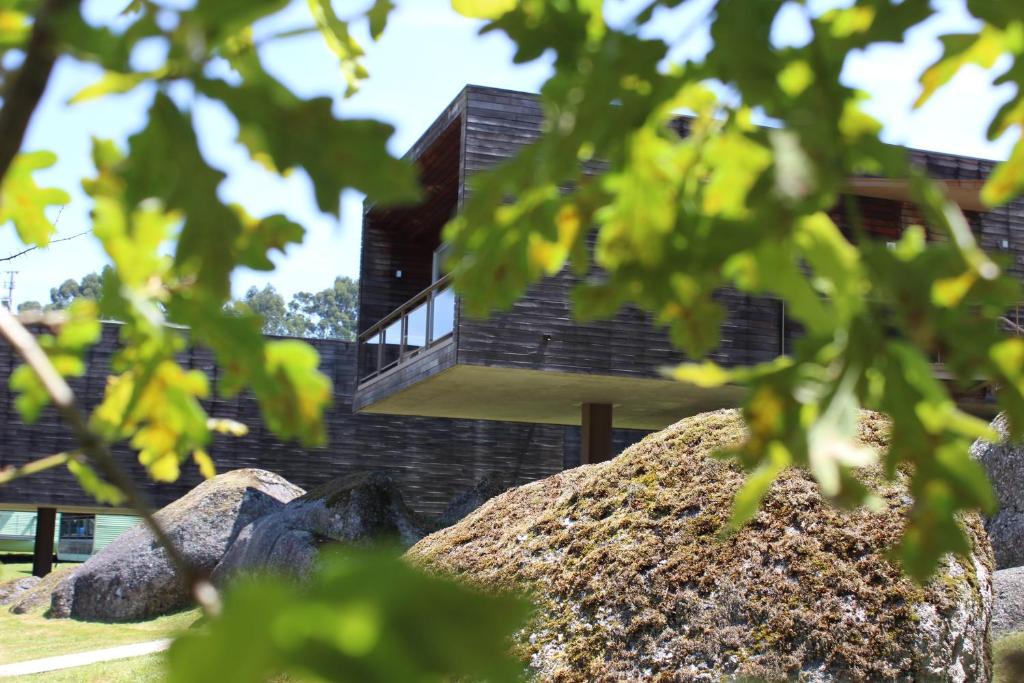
{"x": 538, "y": 332}
{"x": 432, "y": 459}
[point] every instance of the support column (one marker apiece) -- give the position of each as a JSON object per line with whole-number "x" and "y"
{"x": 596, "y": 433}
{"x": 42, "y": 556}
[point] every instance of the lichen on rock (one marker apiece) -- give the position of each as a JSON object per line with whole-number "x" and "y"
{"x": 633, "y": 581}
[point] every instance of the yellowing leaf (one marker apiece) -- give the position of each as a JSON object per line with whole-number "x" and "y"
{"x": 23, "y": 202}
{"x": 14, "y": 26}
{"x": 112, "y": 82}
{"x": 1007, "y": 181}
{"x": 796, "y": 77}
{"x": 483, "y": 9}
{"x": 981, "y": 49}
{"x": 336, "y": 34}
{"x": 204, "y": 462}
{"x": 950, "y": 291}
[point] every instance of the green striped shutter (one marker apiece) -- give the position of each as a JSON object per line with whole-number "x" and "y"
{"x": 109, "y": 527}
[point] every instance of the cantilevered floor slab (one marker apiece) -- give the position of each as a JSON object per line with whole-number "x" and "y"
{"x": 549, "y": 397}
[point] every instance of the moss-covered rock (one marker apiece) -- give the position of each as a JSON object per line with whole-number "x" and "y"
{"x": 633, "y": 582}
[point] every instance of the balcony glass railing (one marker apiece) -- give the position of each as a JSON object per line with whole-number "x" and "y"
{"x": 422, "y": 322}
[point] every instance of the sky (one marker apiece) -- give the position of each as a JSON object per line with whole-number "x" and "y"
{"x": 425, "y": 57}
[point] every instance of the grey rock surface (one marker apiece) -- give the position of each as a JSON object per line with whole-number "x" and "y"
{"x": 1004, "y": 462}
{"x": 12, "y": 590}
{"x": 133, "y": 578}
{"x": 353, "y": 509}
{"x": 1008, "y": 601}
{"x": 470, "y": 499}
{"x": 37, "y": 596}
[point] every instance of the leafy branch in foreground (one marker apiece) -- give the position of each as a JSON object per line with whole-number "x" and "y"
{"x": 362, "y": 617}
{"x": 173, "y": 245}
{"x": 96, "y": 452}
{"x": 729, "y": 204}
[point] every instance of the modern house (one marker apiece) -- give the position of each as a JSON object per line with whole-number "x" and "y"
{"x": 420, "y": 355}
{"x": 440, "y": 400}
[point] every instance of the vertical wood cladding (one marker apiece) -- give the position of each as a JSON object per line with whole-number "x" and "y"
{"x": 538, "y": 332}
{"x": 431, "y": 459}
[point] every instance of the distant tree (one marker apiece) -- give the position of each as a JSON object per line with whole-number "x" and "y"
{"x": 331, "y": 312}
{"x": 269, "y": 305}
{"x": 327, "y": 314}
{"x": 89, "y": 287}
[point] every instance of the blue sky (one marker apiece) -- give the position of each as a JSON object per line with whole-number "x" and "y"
{"x": 427, "y": 54}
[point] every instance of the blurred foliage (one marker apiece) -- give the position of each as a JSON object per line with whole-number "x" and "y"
{"x": 173, "y": 244}
{"x": 171, "y": 240}
{"x": 678, "y": 217}
{"x": 362, "y": 617}
{"x": 330, "y": 313}
{"x": 684, "y": 208}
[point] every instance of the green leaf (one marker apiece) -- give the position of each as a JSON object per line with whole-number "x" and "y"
{"x": 165, "y": 163}
{"x": 756, "y": 485}
{"x": 363, "y": 617}
{"x": 23, "y": 202}
{"x": 285, "y": 132}
{"x": 95, "y": 486}
{"x": 378, "y": 16}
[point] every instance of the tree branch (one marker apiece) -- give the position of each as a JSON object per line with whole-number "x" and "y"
{"x": 10, "y": 473}
{"x": 97, "y": 452}
{"x": 23, "y": 90}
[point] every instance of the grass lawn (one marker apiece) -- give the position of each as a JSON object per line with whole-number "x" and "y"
{"x": 148, "y": 669}
{"x": 15, "y": 570}
{"x": 17, "y": 567}
{"x": 32, "y": 636}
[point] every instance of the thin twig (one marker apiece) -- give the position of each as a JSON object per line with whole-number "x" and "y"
{"x": 52, "y": 242}
{"x": 24, "y": 89}
{"x": 10, "y": 473}
{"x": 97, "y": 452}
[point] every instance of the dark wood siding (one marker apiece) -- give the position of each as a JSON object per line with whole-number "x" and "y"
{"x": 538, "y": 332}
{"x": 432, "y": 459}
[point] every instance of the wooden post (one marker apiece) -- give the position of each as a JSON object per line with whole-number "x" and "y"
{"x": 596, "y": 433}
{"x": 42, "y": 556}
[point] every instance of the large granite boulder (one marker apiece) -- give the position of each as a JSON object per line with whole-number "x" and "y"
{"x": 1008, "y": 603}
{"x": 1004, "y": 462}
{"x": 37, "y": 596}
{"x": 633, "y": 581}
{"x": 10, "y": 591}
{"x": 358, "y": 508}
{"x": 133, "y": 577}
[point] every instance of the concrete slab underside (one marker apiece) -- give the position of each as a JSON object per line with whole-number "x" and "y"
{"x": 548, "y": 397}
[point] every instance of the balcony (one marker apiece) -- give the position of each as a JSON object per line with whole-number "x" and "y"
{"x": 423, "y": 323}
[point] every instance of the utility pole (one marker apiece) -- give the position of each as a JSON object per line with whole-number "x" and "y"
{"x": 7, "y": 289}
